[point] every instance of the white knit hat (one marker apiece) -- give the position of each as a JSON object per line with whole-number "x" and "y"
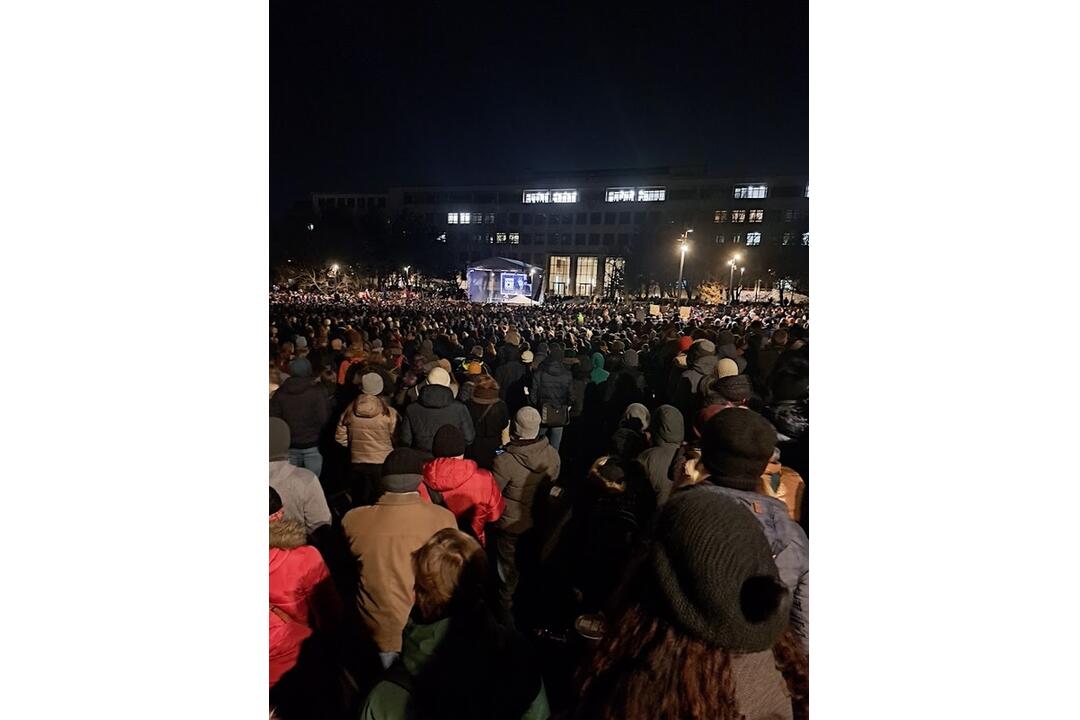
{"x": 726, "y": 367}
{"x": 438, "y": 376}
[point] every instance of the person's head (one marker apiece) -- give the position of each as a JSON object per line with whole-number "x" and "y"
{"x": 449, "y": 442}
{"x": 736, "y": 445}
{"x": 280, "y": 438}
{"x": 726, "y": 367}
{"x": 707, "y": 588}
{"x": 449, "y": 571}
{"x": 371, "y": 384}
{"x": 438, "y": 376}
{"x": 402, "y": 471}
{"x": 527, "y": 357}
{"x": 485, "y": 390}
{"x": 609, "y": 475}
{"x": 780, "y": 338}
{"x": 637, "y": 411}
{"x": 277, "y": 511}
{"x": 300, "y": 367}
{"x": 527, "y": 423}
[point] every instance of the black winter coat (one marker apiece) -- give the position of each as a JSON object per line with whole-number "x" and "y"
{"x": 435, "y": 407}
{"x": 552, "y": 383}
{"x": 305, "y": 407}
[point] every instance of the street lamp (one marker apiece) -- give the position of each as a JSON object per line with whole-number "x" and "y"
{"x": 731, "y": 278}
{"x": 407, "y": 280}
{"x": 684, "y": 247}
{"x": 334, "y": 267}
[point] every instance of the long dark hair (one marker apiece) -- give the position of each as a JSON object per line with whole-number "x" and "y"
{"x": 646, "y": 667}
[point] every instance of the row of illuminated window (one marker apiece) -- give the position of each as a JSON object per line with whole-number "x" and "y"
{"x": 635, "y": 194}
{"x": 754, "y": 238}
{"x": 582, "y": 239}
{"x": 566, "y": 195}
{"x": 738, "y": 216}
{"x": 742, "y": 191}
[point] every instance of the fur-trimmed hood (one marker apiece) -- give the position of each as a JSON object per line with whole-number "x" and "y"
{"x": 287, "y": 534}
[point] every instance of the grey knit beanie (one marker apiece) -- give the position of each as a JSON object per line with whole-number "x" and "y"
{"x": 715, "y": 574}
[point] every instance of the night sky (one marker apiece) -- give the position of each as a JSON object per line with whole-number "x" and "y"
{"x": 364, "y": 96}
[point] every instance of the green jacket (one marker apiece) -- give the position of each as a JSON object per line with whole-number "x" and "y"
{"x": 390, "y": 701}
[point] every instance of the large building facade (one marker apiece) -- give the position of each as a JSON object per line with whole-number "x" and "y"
{"x": 614, "y": 231}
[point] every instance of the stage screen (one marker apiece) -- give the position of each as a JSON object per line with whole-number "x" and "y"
{"x": 516, "y": 284}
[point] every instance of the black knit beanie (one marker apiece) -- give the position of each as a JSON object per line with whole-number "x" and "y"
{"x": 736, "y": 445}
{"x": 448, "y": 442}
{"x": 403, "y": 470}
{"x": 714, "y": 572}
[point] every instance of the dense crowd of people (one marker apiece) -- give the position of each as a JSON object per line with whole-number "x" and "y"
{"x": 570, "y": 510}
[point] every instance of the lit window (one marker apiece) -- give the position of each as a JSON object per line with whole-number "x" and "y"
{"x": 757, "y": 215}
{"x": 490, "y": 218}
{"x": 451, "y": 218}
{"x": 466, "y": 218}
{"x": 791, "y": 215}
{"x": 651, "y": 194}
{"x": 719, "y": 216}
{"x": 559, "y": 274}
{"x": 536, "y": 196}
{"x": 753, "y": 238}
{"x": 500, "y": 238}
{"x": 787, "y": 239}
{"x": 738, "y": 216}
{"x": 807, "y": 191}
{"x": 586, "y": 275}
{"x": 751, "y": 192}
{"x": 806, "y": 239}
{"x": 720, "y": 239}
{"x": 736, "y": 238}
{"x": 515, "y": 238}
{"x": 620, "y": 195}
{"x": 564, "y": 196}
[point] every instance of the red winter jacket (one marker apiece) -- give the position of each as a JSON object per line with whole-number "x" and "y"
{"x": 300, "y": 589}
{"x": 468, "y": 491}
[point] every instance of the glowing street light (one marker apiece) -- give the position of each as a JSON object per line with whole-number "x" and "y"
{"x": 334, "y": 267}
{"x": 731, "y": 278}
{"x": 684, "y": 247}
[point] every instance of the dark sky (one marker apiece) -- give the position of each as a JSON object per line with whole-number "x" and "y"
{"x": 363, "y": 96}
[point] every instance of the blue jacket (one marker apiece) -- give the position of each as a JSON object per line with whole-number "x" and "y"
{"x": 790, "y": 547}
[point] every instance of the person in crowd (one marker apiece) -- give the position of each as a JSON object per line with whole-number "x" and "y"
{"x": 300, "y": 491}
{"x": 667, "y": 437}
{"x": 529, "y": 462}
{"x": 508, "y": 365}
{"x": 629, "y": 438}
{"x": 491, "y": 421}
{"x": 700, "y": 627}
{"x": 551, "y": 393}
{"x": 367, "y": 428}
{"x": 784, "y": 484}
{"x": 736, "y": 447}
{"x": 435, "y": 407}
{"x": 305, "y": 407}
{"x": 609, "y": 519}
{"x": 303, "y": 601}
{"x": 382, "y": 538}
{"x": 701, "y": 364}
{"x": 598, "y": 374}
{"x": 464, "y": 488}
{"x": 456, "y": 661}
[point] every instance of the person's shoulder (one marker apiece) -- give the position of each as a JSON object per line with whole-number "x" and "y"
{"x": 386, "y": 700}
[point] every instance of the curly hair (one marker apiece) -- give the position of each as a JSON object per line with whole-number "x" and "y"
{"x": 648, "y": 668}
